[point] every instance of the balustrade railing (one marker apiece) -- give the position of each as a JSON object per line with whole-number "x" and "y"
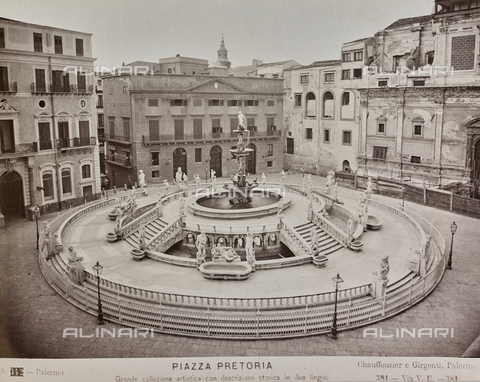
{"x": 146, "y": 218}
{"x": 224, "y": 317}
{"x": 293, "y": 237}
{"x": 330, "y": 228}
{"x": 165, "y": 234}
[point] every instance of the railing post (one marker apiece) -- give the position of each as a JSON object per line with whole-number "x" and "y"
{"x": 349, "y": 309}
{"x": 306, "y": 314}
{"x": 384, "y": 303}
{"x": 258, "y": 322}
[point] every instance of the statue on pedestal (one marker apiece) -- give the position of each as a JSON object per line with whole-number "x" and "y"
{"x": 201, "y": 244}
{"x": 142, "y": 238}
{"x": 381, "y": 281}
{"x": 335, "y": 188}
{"x": 264, "y": 179}
{"x": 166, "y": 185}
{"x": 304, "y": 183}
{"x": 250, "y": 252}
{"x": 76, "y": 270}
{"x": 283, "y": 176}
{"x": 196, "y": 177}
{"x": 242, "y": 121}
{"x": 350, "y": 228}
{"x": 141, "y": 179}
{"x": 314, "y": 240}
{"x": 159, "y": 209}
{"x": 179, "y": 177}
{"x": 46, "y": 242}
{"x": 424, "y": 256}
{"x": 185, "y": 180}
{"x": 182, "y": 207}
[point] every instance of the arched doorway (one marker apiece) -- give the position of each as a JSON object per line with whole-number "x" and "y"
{"x": 346, "y": 166}
{"x": 252, "y": 159}
{"x": 179, "y": 160}
{"x": 476, "y": 170}
{"x": 216, "y": 160}
{"x": 11, "y": 195}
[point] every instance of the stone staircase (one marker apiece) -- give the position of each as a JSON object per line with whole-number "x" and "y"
{"x": 327, "y": 244}
{"x": 151, "y": 229}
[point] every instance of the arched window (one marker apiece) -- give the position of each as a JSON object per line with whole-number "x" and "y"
{"x": 66, "y": 181}
{"x": 86, "y": 171}
{"x": 328, "y": 105}
{"x": 348, "y": 106}
{"x": 311, "y": 105}
{"x": 47, "y": 184}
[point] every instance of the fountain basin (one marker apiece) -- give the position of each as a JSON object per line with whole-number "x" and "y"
{"x": 219, "y": 207}
{"x": 225, "y": 271}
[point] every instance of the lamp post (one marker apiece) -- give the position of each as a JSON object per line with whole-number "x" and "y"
{"x": 97, "y": 268}
{"x": 337, "y": 283}
{"x": 453, "y": 229}
{"x": 36, "y": 212}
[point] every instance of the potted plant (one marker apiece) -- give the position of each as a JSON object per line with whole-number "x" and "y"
{"x": 356, "y": 246}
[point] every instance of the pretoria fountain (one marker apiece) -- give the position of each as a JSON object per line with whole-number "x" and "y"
{"x": 285, "y": 241}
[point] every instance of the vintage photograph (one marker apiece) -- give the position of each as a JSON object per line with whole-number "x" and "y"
{"x": 224, "y": 190}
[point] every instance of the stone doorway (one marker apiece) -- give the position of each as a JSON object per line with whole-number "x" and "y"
{"x": 11, "y": 195}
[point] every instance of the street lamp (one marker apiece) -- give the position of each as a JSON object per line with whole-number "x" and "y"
{"x": 36, "y": 212}
{"x": 453, "y": 229}
{"x": 97, "y": 268}
{"x": 337, "y": 283}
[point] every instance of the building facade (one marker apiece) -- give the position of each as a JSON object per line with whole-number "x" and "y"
{"x": 49, "y": 152}
{"x": 420, "y": 107}
{"x": 321, "y": 119}
{"x": 159, "y": 122}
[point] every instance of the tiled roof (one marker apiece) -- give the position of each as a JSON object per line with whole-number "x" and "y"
{"x": 410, "y": 21}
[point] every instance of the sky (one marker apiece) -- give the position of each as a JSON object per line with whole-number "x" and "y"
{"x": 269, "y": 30}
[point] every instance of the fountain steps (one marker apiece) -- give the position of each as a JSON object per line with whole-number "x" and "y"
{"x": 151, "y": 229}
{"x": 327, "y": 244}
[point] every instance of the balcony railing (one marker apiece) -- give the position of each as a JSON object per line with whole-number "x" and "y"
{"x": 65, "y": 143}
{"x": 206, "y": 136}
{"x": 118, "y": 138}
{"x": 60, "y": 89}
{"x": 20, "y": 149}
{"x": 9, "y": 88}
{"x": 119, "y": 159}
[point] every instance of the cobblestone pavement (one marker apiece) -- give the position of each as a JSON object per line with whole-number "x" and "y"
{"x": 33, "y": 316}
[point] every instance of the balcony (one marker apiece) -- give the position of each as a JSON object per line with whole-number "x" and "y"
{"x": 118, "y": 138}
{"x": 120, "y": 160}
{"x": 9, "y": 88}
{"x": 189, "y": 138}
{"x": 60, "y": 89}
{"x": 19, "y": 150}
{"x": 65, "y": 143}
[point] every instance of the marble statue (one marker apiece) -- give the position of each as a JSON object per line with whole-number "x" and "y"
{"x": 46, "y": 242}
{"x": 283, "y": 176}
{"x": 381, "y": 280}
{"x": 220, "y": 252}
{"x": 369, "y": 188}
{"x": 350, "y": 228}
{"x": 76, "y": 270}
{"x": 185, "y": 180}
{"x": 304, "y": 183}
{"x": 424, "y": 256}
{"x": 212, "y": 175}
{"x": 142, "y": 237}
{"x": 166, "y": 185}
{"x": 182, "y": 207}
{"x": 141, "y": 179}
{"x": 178, "y": 177}
{"x": 118, "y": 226}
{"x": 330, "y": 181}
{"x": 57, "y": 247}
{"x": 159, "y": 209}
{"x": 250, "y": 252}
{"x": 313, "y": 240}
{"x": 242, "y": 121}
{"x": 201, "y": 244}
{"x": 309, "y": 181}
{"x": 196, "y": 177}
{"x": 264, "y": 179}
{"x": 335, "y": 188}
